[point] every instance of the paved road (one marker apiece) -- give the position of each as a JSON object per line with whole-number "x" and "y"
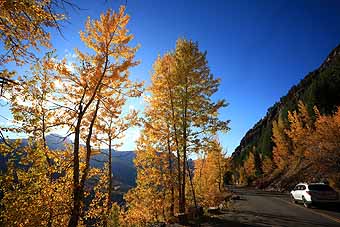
{"x": 258, "y": 208}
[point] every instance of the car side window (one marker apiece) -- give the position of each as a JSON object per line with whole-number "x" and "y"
{"x": 302, "y": 187}
{"x": 296, "y": 187}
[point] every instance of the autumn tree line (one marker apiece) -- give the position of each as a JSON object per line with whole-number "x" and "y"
{"x": 45, "y": 187}
{"x": 306, "y": 148}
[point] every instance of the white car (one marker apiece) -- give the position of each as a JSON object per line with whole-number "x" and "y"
{"x": 314, "y": 193}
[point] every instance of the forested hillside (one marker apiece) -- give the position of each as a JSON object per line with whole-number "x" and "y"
{"x": 319, "y": 89}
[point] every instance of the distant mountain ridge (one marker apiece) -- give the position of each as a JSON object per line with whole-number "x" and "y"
{"x": 320, "y": 88}
{"x": 123, "y": 168}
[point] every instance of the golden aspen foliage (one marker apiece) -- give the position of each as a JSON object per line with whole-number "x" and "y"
{"x": 32, "y": 101}
{"x": 97, "y": 83}
{"x": 267, "y": 165}
{"x": 196, "y": 115}
{"x": 23, "y": 27}
{"x": 242, "y": 178}
{"x": 249, "y": 164}
{"x": 300, "y": 129}
{"x": 314, "y": 144}
{"x": 208, "y": 176}
{"x": 150, "y": 200}
{"x": 100, "y": 85}
{"x": 30, "y": 197}
{"x": 180, "y": 119}
{"x": 281, "y": 149}
{"x": 324, "y": 146}
{"x": 36, "y": 185}
{"x": 101, "y": 210}
{"x": 153, "y": 198}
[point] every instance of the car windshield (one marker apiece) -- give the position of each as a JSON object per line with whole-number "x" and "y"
{"x": 320, "y": 187}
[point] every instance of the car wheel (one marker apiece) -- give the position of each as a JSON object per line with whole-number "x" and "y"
{"x": 305, "y": 203}
{"x": 292, "y": 199}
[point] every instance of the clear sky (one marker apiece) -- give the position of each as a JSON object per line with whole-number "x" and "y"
{"x": 259, "y": 48}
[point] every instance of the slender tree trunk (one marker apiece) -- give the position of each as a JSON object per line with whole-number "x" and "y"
{"x": 88, "y": 147}
{"x": 172, "y": 205}
{"x": 219, "y": 174}
{"x": 78, "y": 187}
{"x": 183, "y": 180}
{"x": 179, "y": 172}
{"x": 49, "y": 175}
{"x": 75, "y": 213}
{"x": 185, "y": 137}
{"x": 178, "y": 153}
{"x": 88, "y": 155}
{"x": 109, "y": 202}
{"x": 191, "y": 184}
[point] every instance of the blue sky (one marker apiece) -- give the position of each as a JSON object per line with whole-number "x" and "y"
{"x": 258, "y": 48}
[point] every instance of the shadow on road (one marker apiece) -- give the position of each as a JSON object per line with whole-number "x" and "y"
{"x": 328, "y": 207}
{"x": 265, "y": 219}
{"x": 217, "y": 222}
{"x": 263, "y": 193}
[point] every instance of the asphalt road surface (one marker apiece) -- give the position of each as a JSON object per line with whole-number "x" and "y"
{"x": 259, "y": 208}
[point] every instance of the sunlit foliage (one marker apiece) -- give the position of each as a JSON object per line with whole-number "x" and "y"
{"x": 61, "y": 95}
{"x": 36, "y": 184}
{"x": 100, "y": 82}
{"x": 313, "y": 140}
{"x": 282, "y": 148}
{"x": 209, "y": 176}
{"x": 23, "y": 27}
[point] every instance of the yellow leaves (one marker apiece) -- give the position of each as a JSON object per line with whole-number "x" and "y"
{"x": 267, "y": 166}
{"x": 109, "y": 34}
{"x": 22, "y": 28}
{"x": 281, "y": 149}
{"x": 61, "y": 94}
{"x": 249, "y": 164}
{"x": 179, "y": 109}
{"x": 208, "y": 175}
{"x": 31, "y": 201}
{"x": 323, "y": 144}
{"x": 307, "y": 142}
{"x": 154, "y": 181}
{"x": 300, "y": 128}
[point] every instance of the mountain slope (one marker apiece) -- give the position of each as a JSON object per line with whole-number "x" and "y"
{"x": 320, "y": 88}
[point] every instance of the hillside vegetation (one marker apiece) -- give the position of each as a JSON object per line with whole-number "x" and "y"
{"x": 274, "y": 138}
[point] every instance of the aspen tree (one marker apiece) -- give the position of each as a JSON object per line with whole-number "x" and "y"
{"x": 180, "y": 118}
{"x": 36, "y": 185}
{"x": 323, "y": 146}
{"x": 249, "y": 165}
{"x": 208, "y": 177}
{"x": 281, "y": 149}
{"x": 103, "y": 73}
{"x": 23, "y": 28}
{"x": 300, "y": 129}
